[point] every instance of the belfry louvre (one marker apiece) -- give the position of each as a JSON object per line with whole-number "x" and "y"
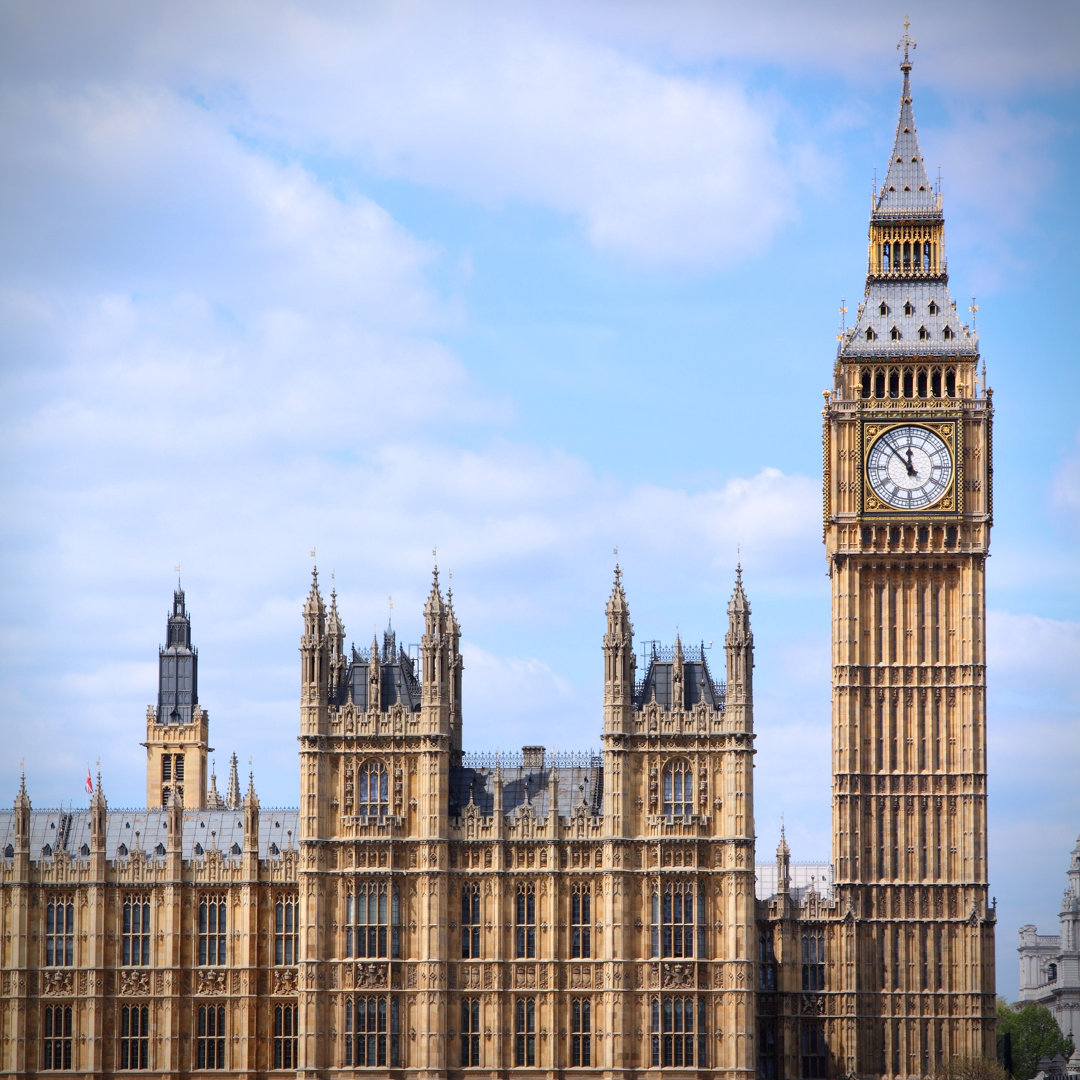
{"x": 429, "y": 913}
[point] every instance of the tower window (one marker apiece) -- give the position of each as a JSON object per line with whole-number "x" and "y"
{"x": 525, "y": 1032}
{"x": 677, "y": 927}
{"x": 812, "y": 1048}
{"x": 950, "y": 382}
{"x": 947, "y": 333}
{"x": 894, "y": 334}
{"x": 935, "y": 383}
{"x": 135, "y": 932}
{"x": 907, "y": 383}
{"x": 372, "y": 1032}
{"x": 678, "y": 1032}
{"x": 285, "y": 1037}
{"x": 923, "y": 333}
{"x": 886, "y": 252}
{"x": 372, "y": 919}
{"x": 374, "y": 792}
{"x": 285, "y": 931}
{"x": 922, "y": 383}
{"x": 213, "y": 920}
{"x": 894, "y": 383}
{"x": 933, "y": 307}
{"x": 210, "y": 1038}
{"x": 57, "y": 1037}
{"x": 470, "y": 1032}
{"x": 581, "y": 922}
{"x": 59, "y": 933}
{"x": 879, "y": 384}
{"x": 134, "y": 1037}
{"x": 581, "y": 1031}
{"x": 866, "y": 384}
{"x": 926, "y": 251}
{"x": 813, "y": 960}
{"x": 525, "y": 922}
{"x": 470, "y": 922}
{"x": 909, "y": 308}
{"x": 883, "y": 308}
{"x": 870, "y": 335}
{"x": 678, "y": 789}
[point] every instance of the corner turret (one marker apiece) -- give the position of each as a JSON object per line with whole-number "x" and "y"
{"x": 620, "y": 664}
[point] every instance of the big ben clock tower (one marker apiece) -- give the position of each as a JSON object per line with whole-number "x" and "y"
{"x": 907, "y": 515}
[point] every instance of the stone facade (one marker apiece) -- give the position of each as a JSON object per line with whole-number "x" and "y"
{"x": 428, "y": 913}
{"x": 1050, "y": 963}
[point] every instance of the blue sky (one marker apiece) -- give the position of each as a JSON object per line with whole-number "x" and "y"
{"x": 527, "y": 282}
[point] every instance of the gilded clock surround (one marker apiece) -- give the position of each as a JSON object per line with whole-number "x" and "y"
{"x": 951, "y": 502}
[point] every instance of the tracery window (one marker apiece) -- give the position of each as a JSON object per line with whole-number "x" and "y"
{"x": 813, "y": 960}
{"x": 581, "y": 921}
{"x": 470, "y": 1032}
{"x": 372, "y": 921}
{"x": 172, "y": 777}
{"x": 373, "y": 790}
{"x": 525, "y": 1032}
{"x": 59, "y": 932}
{"x": 812, "y": 1048}
{"x": 210, "y": 1037}
{"x": 134, "y": 1037}
{"x": 766, "y": 961}
{"x": 525, "y": 921}
{"x": 213, "y": 926}
{"x": 372, "y": 1032}
{"x": 285, "y": 931}
{"x": 285, "y": 1038}
{"x": 470, "y": 922}
{"x": 581, "y": 1031}
{"x": 56, "y": 1033}
{"x": 678, "y": 789}
{"x": 678, "y": 1032}
{"x": 135, "y": 932}
{"x": 677, "y": 920}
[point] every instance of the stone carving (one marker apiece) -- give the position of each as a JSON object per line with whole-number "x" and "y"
{"x": 813, "y": 1004}
{"x": 675, "y": 975}
{"x": 212, "y": 982}
{"x": 370, "y": 975}
{"x": 134, "y": 982}
{"x": 285, "y": 981}
{"x": 58, "y": 982}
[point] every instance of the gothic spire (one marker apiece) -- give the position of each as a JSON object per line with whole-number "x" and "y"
{"x": 232, "y": 792}
{"x": 906, "y": 190}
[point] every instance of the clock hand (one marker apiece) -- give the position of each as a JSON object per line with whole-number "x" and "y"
{"x": 911, "y": 471}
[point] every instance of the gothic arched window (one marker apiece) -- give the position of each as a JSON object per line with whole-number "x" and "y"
{"x": 373, "y": 790}
{"x": 678, "y": 789}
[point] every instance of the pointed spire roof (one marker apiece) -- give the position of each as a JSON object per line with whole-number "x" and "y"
{"x": 782, "y": 849}
{"x": 232, "y": 792}
{"x": 334, "y": 625}
{"x": 22, "y": 800}
{"x": 906, "y": 191}
{"x": 314, "y": 603}
{"x": 213, "y": 796}
{"x": 98, "y": 798}
{"x": 251, "y": 799}
{"x": 738, "y": 604}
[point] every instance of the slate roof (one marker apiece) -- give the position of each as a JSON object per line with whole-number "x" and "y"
{"x": 895, "y": 295}
{"x": 147, "y": 831}
{"x": 580, "y": 778}
{"x": 906, "y": 191}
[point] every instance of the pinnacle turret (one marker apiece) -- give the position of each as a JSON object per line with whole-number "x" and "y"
{"x": 906, "y": 190}
{"x": 232, "y": 792}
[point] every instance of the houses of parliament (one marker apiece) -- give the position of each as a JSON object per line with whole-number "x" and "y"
{"x": 428, "y": 912}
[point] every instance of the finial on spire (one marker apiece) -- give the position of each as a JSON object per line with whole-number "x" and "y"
{"x": 738, "y": 565}
{"x": 906, "y": 43}
{"x": 177, "y": 569}
{"x": 390, "y": 616}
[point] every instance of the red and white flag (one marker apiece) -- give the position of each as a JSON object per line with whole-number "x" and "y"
{"x": 89, "y": 782}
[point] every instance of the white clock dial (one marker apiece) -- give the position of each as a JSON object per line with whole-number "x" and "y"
{"x": 909, "y": 467}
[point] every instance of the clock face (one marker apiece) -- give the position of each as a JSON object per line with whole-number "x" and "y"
{"x": 909, "y": 467}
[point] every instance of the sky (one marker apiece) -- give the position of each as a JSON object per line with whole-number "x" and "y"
{"x": 522, "y": 284}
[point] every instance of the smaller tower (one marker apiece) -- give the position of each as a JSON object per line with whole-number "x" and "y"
{"x": 335, "y": 633}
{"x": 177, "y": 730}
{"x": 314, "y": 663}
{"x": 620, "y": 664}
{"x": 232, "y": 792}
{"x": 739, "y": 646}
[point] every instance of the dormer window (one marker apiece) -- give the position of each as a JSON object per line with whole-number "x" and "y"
{"x": 923, "y": 334}
{"x": 870, "y": 335}
{"x": 947, "y": 333}
{"x": 883, "y": 309}
{"x": 894, "y": 334}
{"x": 933, "y": 307}
{"x": 909, "y": 308}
